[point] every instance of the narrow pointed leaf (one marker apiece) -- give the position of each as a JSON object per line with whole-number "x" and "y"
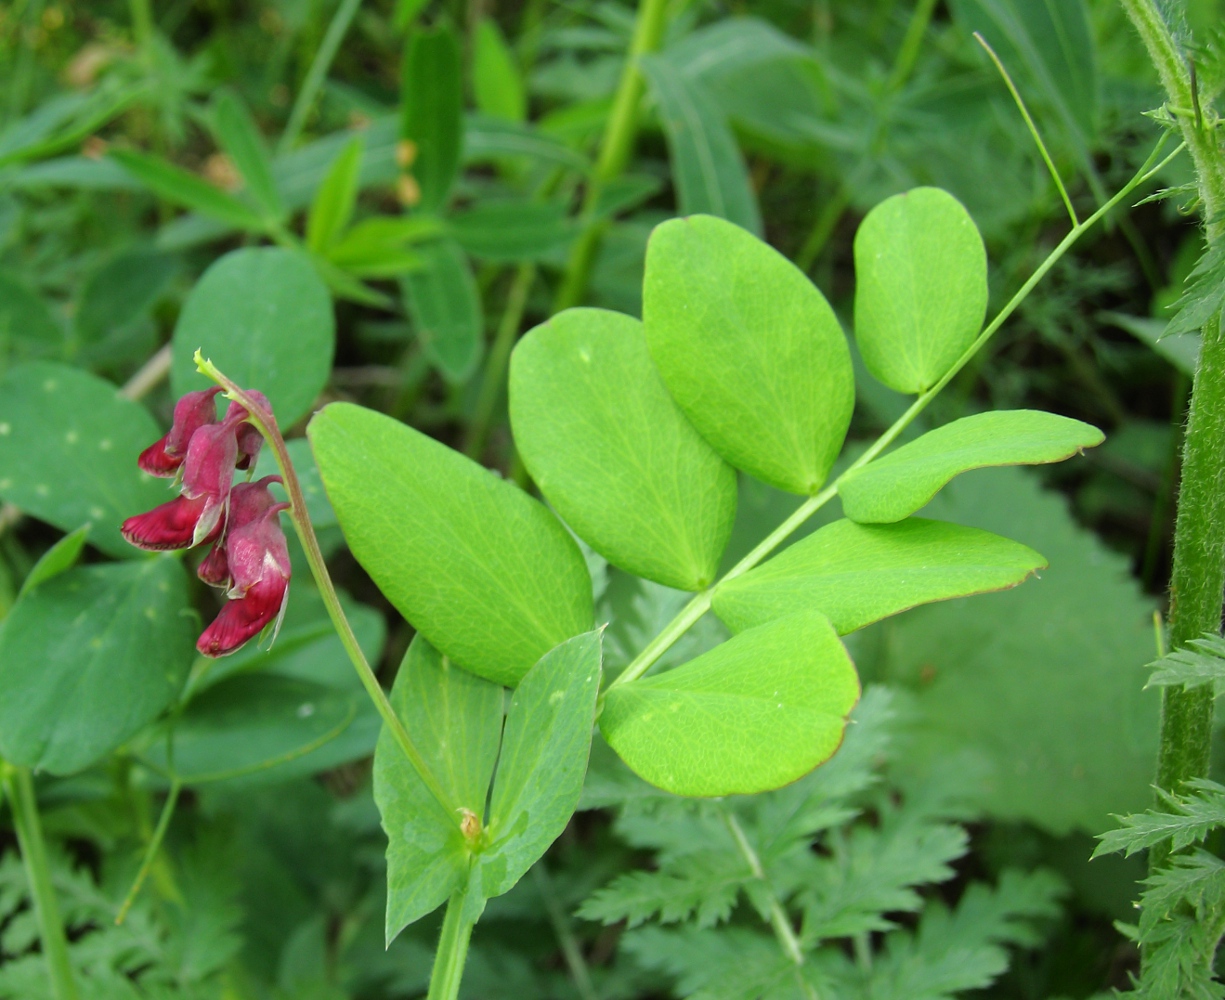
{"x": 455, "y": 721}
{"x": 755, "y": 713}
{"x": 62, "y": 556}
{"x": 625, "y": 469}
{"x": 485, "y": 572}
{"x": 543, "y": 760}
{"x": 920, "y": 287}
{"x": 433, "y": 104}
{"x": 183, "y": 188}
{"x": 239, "y": 136}
{"x": 445, "y": 306}
{"x": 895, "y": 486}
{"x": 856, "y": 574}
{"x": 496, "y": 81}
{"x": 332, "y": 207}
{"x": 749, "y": 349}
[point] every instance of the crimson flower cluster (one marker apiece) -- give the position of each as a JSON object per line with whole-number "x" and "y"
{"x": 249, "y": 559}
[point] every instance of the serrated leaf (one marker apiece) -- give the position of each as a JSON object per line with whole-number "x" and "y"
{"x": 920, "y": 287}
{"x": 264, "y": 318}
{"x": 708, "y": 168}
{"x": 332, "y": 207}
{"x": 543, "y": 760}
{"x": 183, "y": 188}
{"x": 625, "y": 469}
{"x": 432, "y": 111}
{"x": 856, "y": 574}
{"x": 109, "y": 643}
{"x": 1204, "y": 296}
{"x": 754, "y": 713}
{"x": 749, "y": 349}
{"x": 68, "y": 447}
{"x": 455, "y": 720}
{"x": 445, "y": 306}
{"x": 238, "y": 135}
{"x": 485, "y": 572}
{"x": 704, "y": 884}
{"x": 903, "y": 481}
{"x": 1187, "y": 818}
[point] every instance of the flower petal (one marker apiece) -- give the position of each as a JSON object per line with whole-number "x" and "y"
{"x": 169, "y": 526}
{"x": 244, "y": 618}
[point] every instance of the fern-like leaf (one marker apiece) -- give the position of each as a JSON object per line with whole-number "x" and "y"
{"x": 1205, "y": 293}
{"x": 1189, "y": 819}
{"x": 705, "y": 885}
{"x": 1201, "y": 661}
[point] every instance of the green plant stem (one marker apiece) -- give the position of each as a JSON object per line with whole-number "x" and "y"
{"x": 494, "y": 377}
{"x": 700, "y": 603}
{"x": 154, "y": 845}
{"x": 452, "y": 950}
{"x": 19, "y": 787}
{"x": 317, "y": 73}
{"x": 908, "y": 51}
{"x": 265, "y": 423}
{"x": 615, "y": 148}
{"x": 565, "y": 934}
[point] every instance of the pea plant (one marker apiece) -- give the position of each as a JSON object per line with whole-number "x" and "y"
{"x": 776, "y": 844}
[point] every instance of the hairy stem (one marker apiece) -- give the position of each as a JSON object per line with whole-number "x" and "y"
{"x": 452, "y": 950}
{"x": 700, "y": 604}
{"x": 265, "y": 423}
{"x": 615, "y": 149}
{"x": 19, "y": 787}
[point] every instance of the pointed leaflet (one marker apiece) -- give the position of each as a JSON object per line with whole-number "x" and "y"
{"x": 264, "y": 317}
{"x": 903, "y": 481}
{"x": 754, "y": 713}
{"x": 455, "y": 721}
{"x": 109, "y": 643}
{"x": 749, "y": 349}
{"x": 543, "y": 760}
{"x": 485, "y": 572}
{"x": 239, "y": 136}
{"x": 60, "y": 558}
{"x": 181, "y": 187}
{"x": 68, "y": 442}
{"x": 332, "y": 207}
{"x": 920, "y": 287}
{"x": 496, "y": 81}
{"x": 445, "y": 306}
{"x": 28, "y": 328}
{"x": 707, "y": 166}
{"x": 432, "y": 118}
{"x": 856, "y": 573}
{"x": 625, "y": 469}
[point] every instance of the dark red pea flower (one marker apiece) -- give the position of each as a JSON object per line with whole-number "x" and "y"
{"x": 192, "y": 412}
{"x": 249, "y": 439}
{"x": 248, "y": 502}
{"x": 258, "y": 562}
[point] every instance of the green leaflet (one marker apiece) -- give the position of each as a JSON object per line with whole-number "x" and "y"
{"x": 903, "y": 481}
{"x": 624, "y": 468}
{"x": 455, "y": 721}
{"x": 62, "y": 556}
{"x": 543, "y": 760}
{"x": 749, "y": 349}
{"x": 509, "y": 230}
{"x": 28, "y": 328}
{"x": 496, "y": 81}
{"x": 485, "y": 572}
{"x": 755, "y": 713}
{"x": 68, "y": 447}
{"x": 236, "y": 131}
{"x": 182, "y": 187}
{"x": 920, "y": 287}
{"x": 332, "y": 207}
{"x": 264, "y": 317}
{"x": 856, "y": 574}
{"x": 108, "y": 643}
{"x": 119, "y": 292}
{"x": 707, "y": 166}
{"x": 445, "y": 306}
{"x": 432, "y": 118}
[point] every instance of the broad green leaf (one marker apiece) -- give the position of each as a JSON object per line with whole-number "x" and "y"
{"x": 88, "y": 658}
{"x": 755, "y": 713}
{"x": 445, "y": 306}
{"x": 485, "y": 572}
{"x": 455, "y": 720}
{"x": 855, "y": 574}
{"x": 707, "y": 166}
{"x": 186, "y": 189}
{"x": 239, "y": 136}
{"x": 749, "y": 349}
{"x": 121, "y": 291}
{"x": 543, "y": 760}
{"x": 68, "y": 448}
{"x": 920, "y": 287}
{"x": 28, "y": 329}
{"x": 252, "y": 723}
{"x": 624, "y": 468}
{"x": 496, "y": 82}
{"x": 433, "y": 104}
{"x": 1044, "y": 683}
{"x": 264, "y": 318}
{"x": 332, "y": 207}
{"x": 60, "y": 558}
{"x": 511, "y": 230}
{"x": 895, "y": 486}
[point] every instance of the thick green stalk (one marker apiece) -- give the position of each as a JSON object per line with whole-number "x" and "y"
{"x": 1197, "y": 579}
{"x": 452, "y": 950}
{"x": 615, "y": 149}
{"x": 19, "y": 787}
